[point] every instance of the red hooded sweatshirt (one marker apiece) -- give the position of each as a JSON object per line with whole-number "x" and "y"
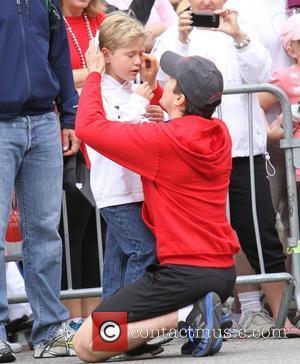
{"x": 185, "y": 166}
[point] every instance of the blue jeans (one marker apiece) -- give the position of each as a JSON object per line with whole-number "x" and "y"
{"x": 130, "y": 247}
{"x": 31, "y": 159}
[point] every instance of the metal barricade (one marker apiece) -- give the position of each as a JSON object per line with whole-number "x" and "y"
{"x": 292, "y": 157}
{"x": 69, "y": 293}
{"x": 293, "y": 242}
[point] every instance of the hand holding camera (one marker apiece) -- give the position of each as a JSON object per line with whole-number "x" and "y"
{"x": 229, "y": 24}
{"x": 221, "y": 20}
{"x": 184, "y": 26}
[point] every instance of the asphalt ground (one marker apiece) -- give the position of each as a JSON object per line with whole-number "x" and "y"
{"x": 241, "y": 351}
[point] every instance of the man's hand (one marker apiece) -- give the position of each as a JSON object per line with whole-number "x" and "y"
{"x": 184, "y": 26}
{"x": 149, "y": 69}
{"x": 70, "y": 142}
{"x": 94, "y": 59}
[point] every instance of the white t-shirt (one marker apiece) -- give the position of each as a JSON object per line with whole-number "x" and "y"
{"x": 111, "y": 183}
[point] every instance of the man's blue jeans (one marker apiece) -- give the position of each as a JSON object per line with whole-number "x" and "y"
{"x": 130, "y": 247}
{"x": 31, "y": 159}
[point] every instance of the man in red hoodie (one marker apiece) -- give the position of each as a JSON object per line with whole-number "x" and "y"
{"x": 185, "y": 165}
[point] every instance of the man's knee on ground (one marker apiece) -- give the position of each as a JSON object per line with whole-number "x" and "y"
{"x": 83, "y": 348}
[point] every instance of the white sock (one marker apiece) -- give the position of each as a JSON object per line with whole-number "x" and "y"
{"x": 236, "y": 316}
{"x": 250, "y": 301}
{"x": 184, "y": 312}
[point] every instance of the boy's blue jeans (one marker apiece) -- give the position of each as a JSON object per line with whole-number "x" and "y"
{"x": 31, "y": 159}
{"x": 130, "y": 246}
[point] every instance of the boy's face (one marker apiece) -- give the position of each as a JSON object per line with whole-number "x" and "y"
{"x": 124, "y": 64}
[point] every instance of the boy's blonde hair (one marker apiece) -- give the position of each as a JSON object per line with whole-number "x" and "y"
{"x": 118, "y": 30}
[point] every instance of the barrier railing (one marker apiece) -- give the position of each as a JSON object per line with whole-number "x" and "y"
{"x": 293, "y": 241}
{"x": 292, "y": 157}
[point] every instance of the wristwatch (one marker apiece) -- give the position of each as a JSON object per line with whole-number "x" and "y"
{"x": 243, "y": 43}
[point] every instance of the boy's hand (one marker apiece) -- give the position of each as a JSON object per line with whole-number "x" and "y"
{"x": 149, "y": 69}
{"x": 144, "y": 90}
{"x": 94, "y": 60}
{"x": 154, "y": 113}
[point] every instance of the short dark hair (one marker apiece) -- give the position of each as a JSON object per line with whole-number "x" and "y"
{"x": 191, "y": 109}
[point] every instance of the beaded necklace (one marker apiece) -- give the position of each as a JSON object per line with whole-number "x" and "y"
{"x": 75, "y": 41}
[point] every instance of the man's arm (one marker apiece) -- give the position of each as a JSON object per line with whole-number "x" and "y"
{"x": 135, "y": 146}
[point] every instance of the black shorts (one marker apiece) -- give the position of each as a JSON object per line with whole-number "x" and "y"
{"x": 167, "y": 288}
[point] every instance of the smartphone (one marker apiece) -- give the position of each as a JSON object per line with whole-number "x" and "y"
{"x": 205, "y": 20}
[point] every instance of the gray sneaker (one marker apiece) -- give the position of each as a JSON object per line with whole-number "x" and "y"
{"x": 256, "y": 323}
{"x": 60, "y": 345}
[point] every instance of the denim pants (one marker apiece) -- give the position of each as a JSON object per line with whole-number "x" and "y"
{"x": 130, "y": 247}
{"x": 31, "y": 159}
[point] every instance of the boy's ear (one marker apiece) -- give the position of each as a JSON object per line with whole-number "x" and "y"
{"x": 106, "y": 53}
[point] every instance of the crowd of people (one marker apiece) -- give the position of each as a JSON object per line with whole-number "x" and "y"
{"x": 144, "y": 84}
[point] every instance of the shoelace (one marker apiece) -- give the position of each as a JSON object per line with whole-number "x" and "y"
{"x": 69, "y": 330}
{"x": 67, "y": 333}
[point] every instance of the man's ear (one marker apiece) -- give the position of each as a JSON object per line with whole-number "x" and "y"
{"x": 180, "y": 101}
{"x": 107, "y": 54}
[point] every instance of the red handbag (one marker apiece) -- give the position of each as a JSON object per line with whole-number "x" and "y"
{"x": 13, "y": 232}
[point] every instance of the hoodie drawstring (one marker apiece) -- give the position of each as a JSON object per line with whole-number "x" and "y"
{"x": 27, "y": 4}
{"x": 270, "y": 169}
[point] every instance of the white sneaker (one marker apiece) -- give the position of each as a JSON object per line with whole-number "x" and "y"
{"x": 256, "y": 323}
{"x": 60, "y": 345}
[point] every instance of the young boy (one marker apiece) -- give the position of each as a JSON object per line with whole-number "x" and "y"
{"x": 130, "y": 246}
{"x": 185, "y": 166}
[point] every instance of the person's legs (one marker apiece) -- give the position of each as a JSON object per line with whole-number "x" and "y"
{"x": 154, "y": 300}
{"x": 13, "y": 141}
{"x": 83, "y": 340}
{"x": 136, "y": 243}
{"x": 115, "y": 261}
{"x": 39, "y": 190}
{"x": 242, "y": 220}
{"x": 84, "y": 253}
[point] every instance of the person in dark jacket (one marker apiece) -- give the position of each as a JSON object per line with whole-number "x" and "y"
{"x": 36, "y": 79}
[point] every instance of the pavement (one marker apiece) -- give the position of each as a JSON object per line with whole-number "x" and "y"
{"x": 242, "y": 351}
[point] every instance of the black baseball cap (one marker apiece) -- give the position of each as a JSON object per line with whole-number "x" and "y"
{"x": 199, "y": 78}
